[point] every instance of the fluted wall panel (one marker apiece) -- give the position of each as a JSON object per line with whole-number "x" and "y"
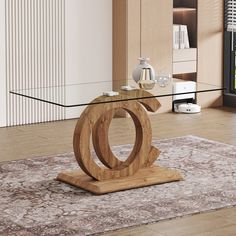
{"x": 35, "y": 59}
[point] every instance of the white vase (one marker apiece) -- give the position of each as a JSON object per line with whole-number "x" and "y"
{"x": 139, "y": 70}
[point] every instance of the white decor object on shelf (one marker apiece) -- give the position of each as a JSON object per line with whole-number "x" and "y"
{"x": 138, "y": 71}
{"x": 176, "y": 37}
{"x": 184, "y": 28}
{"x": 127, "y": 88}
{"x": 180, "y": 37}
{"x": 110, "y": 94}
{"x": 144, "y": 74}
{"x": 163, "y": 80}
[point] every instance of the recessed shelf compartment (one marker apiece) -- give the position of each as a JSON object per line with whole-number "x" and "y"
{"x": 185, "y": 3}
{"x": 182, "y": 55}
{"x": 188, "y": 76}
{"x": 185, "y": 61}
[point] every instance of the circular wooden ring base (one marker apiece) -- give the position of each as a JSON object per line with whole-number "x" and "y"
{"x": 95, "y": 121}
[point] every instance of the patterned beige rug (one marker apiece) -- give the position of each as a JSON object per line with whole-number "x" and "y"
{"x": 33, "y": 203}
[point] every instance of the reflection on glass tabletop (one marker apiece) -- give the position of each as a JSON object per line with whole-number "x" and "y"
{"x": 74, "y": 95}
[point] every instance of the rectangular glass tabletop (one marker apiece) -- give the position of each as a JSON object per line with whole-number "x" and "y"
{"x": 82, "y": 94}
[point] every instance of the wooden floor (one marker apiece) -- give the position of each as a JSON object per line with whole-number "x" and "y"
{"x": 215, "y": 124}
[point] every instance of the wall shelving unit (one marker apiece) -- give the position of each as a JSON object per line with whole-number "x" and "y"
{"x": 185, "y": 60}
{"x": 145, "y": 28}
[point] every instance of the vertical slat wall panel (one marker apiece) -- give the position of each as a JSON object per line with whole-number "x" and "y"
{"x": 35, "y": 53}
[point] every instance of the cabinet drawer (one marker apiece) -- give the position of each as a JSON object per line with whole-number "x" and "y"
{"x": 185, "y": 55}
{"x": 184, "y": 67}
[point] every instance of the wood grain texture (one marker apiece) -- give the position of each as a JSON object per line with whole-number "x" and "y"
{"x": 147, "y": 31}
{"x": 156, "y": 39}
{"x": 119, "y": 11}
{"x": 133, "y": 35}
{"x": 210, "y": 49}
{"x": 137, "y": 171}
{"x": 103, "y": 149}
{"x": 156, "y": 33}
{"x": 126, "y": 39}
{"x": 95, "y": 121}
{"x": 144, "y": 177}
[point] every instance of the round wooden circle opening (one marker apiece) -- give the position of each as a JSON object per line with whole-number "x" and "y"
{"x": 101, "y": 141}
{"x": 95, "y": 121}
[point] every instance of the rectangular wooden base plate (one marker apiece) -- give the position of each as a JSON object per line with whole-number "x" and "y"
{"x": 144, "y": 177}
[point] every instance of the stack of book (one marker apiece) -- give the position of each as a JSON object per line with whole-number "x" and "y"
{"x": 180, "y": 37}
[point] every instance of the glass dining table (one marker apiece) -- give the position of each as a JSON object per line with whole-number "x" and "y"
{"x": 101, "y": 106}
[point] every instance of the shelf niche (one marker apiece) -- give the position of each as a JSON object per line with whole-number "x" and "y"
{"x": 185, "y": 3}
{"x": 188, "y": 77}
{"x": 185, "y": 13}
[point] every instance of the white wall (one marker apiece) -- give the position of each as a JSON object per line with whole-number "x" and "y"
{"x": 2, "y": 66}
{"x": 88, "y": 46}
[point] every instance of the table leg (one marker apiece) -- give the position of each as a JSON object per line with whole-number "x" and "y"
{"x": 137, "y": 171}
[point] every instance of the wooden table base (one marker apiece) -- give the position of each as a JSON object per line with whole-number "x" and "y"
{"x": 144, "y": 177}
{"x": 137, "y": 170}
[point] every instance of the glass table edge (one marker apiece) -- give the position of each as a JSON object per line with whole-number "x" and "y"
{"x": 118, "y": 100}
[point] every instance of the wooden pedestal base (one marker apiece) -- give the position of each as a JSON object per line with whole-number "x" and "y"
{"x": 144, "y": 177}
{"x": 137, "y": 170}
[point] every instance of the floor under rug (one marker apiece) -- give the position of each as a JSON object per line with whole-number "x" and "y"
{"x": 33, "y": 203}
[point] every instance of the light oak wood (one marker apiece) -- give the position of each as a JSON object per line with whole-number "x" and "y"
{"x": 156, "y": 33}
{"x": 102, "y": 146}
{"x": 119, "y": 42}
{"x": 145, "y": 30}
{"x": 126, "y": 42}
{"x": 133, "y": 34}
{"x": 126, "y": 39}
{"x": 156, "y": 39}
{"x": 210, "y": 49}
{"x": 95, "y": 116}
{"x": 95, "y": 122}
{"x": 144, "y": 177}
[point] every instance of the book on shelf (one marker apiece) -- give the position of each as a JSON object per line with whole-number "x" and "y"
{"x": 176, "y": 37}
{"x": 180, "y": 37}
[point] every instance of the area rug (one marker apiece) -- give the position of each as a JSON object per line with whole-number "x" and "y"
{"x": 33, "y": 203}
